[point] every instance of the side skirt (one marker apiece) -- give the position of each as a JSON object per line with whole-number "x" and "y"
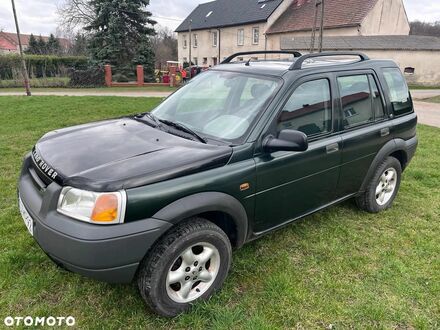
{"x": 255, "y": 236}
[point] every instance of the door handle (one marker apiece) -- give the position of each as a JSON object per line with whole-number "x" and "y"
{"x": 331, "y": 148}
{"x": 385, "y": 132}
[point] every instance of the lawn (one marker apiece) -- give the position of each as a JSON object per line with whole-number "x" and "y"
{"x": 433, "y": 99}
{"x": 95, "y": 90}
{"x": 340, "y": 268}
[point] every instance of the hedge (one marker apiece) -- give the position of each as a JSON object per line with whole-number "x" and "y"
{"x": 40, "y": 66}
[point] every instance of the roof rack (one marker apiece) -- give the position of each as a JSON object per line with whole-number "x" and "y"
{"x": 298, "y": 63}
{"x": 230, "y": 58}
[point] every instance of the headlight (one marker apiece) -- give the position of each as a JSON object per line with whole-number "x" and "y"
{"x": 88, "y": 206}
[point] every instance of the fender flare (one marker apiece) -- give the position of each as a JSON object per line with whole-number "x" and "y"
{"x": 193, "y": 205}
{"x": 389, "y": 148}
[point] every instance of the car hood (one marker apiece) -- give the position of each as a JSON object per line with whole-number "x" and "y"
{"x": 121, "y": 154}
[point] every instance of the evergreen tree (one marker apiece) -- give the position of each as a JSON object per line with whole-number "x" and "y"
{"x": 33, "y": 45}
{"x": 79, "y": 45}
{"x": 121, "y": 33}
{"x": 53, "y": 46}
{"x": 41, "y": 46}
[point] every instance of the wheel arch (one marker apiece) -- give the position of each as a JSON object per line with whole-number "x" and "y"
{"x": 222, "y": 209}
{"x": 395, "y": 148}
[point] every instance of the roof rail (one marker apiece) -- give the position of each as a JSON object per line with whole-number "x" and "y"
{"x": 257, "y": 52}
{"x": 298, "y": 63}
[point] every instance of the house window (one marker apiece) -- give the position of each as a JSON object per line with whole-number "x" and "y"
{"x": 196, "y": 40}
{"x": 205, "y": 61}
{"x": 214, "y": 39}
{"x": 240, "y": 37}
{"x": 196, "y": 61}
{"x": 185, "y": 60}
{"x": 185, "y": 42}
{"x": 255, "y": 35}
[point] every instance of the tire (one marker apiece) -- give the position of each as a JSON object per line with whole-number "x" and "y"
{"x": 164, "y": 281}
{"x": 383, "y": 187}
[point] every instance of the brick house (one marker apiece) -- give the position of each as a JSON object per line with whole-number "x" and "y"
{"x": 378, "y": 27}
{"x": 222, "y": 27}
{"x": 9, "y": 42}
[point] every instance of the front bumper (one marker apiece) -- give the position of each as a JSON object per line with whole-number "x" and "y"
{"x": 107, "y": 253}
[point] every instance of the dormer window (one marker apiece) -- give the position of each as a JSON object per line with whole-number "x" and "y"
{"x": 209, "y": 14}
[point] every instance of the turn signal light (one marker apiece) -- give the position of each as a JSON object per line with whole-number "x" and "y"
{"x": 106, "y": 209}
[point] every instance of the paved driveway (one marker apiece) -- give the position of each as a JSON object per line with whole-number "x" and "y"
{"x": 428, "y": 113}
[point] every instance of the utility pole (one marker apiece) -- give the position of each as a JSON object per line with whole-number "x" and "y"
{"x": 190, "y": 46}
{"x": 321, "y": 26}
{"x": 321, "y": 30}
{"x": 23, "y": 62}
{"x": 315, "y": 21}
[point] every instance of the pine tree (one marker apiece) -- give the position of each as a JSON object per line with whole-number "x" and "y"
{"x": 53, "y": 46}
{"x": 33, "y": 45}
{"x": 41, "y": 46}
{"x": 79, "y": 45}
{"x": 121, "y": 33}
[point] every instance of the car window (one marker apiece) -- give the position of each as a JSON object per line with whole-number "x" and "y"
{"x": 221, "y": 105}
{"x": 399, "y": 93}
{"x": 356, "y": 100}
{"x": 309, "y": 109}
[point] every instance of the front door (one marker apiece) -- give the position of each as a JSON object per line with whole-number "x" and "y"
{"x": 292, "y": 184}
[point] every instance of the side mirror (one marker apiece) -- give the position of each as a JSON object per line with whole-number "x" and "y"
{"x": 288, "y": 140}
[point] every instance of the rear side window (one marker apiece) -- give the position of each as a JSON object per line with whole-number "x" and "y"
{"x": 361, "y": 100}
{"x": 399, "y": 93}
{"x": 309, "y": 109}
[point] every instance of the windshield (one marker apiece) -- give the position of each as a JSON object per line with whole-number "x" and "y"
{"x": 220, "y": 105}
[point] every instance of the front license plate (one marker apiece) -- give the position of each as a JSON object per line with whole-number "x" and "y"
{"x": 28, "y": 221}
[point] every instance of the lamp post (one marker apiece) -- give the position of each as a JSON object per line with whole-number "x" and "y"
{"x": 23, "y": 62}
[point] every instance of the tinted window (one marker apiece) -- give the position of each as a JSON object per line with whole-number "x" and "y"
{"x": 356, "y": 100}
{"x": 399, "y": 93}
{"x": 309, "y": 109}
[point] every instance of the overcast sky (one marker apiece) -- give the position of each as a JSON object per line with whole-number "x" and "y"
{"x": 40, "y": 17}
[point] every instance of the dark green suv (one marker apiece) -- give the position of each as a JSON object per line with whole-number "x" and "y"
{"x": 241, "y": 150}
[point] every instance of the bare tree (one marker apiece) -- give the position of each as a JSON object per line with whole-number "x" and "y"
{"x": 165, "y": 46}
{"x": 75, "y": 14}
{"x": 425, "y": 28}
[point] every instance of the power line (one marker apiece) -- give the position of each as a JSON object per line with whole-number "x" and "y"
{"x": 168, "y": 18}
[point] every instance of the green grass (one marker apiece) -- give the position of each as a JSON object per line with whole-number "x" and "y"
{"x": 423, "y": 87}
{"x": 340, "y": 267}
{"x": 56, "y": 82}
{"x": 435, "y": 99}
{"x": 97, "y": 90}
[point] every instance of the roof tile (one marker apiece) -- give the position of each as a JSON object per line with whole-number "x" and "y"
{"x": 338, "y": 13}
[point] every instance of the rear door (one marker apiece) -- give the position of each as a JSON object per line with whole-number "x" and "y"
{"x": 364, "y": 124}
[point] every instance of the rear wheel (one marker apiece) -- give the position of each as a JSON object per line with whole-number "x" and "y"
{"x": 383, "y": 188}
{"x": 187, "y": 265}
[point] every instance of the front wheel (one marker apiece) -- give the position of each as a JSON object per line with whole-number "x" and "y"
{"x": 187, "y": 265}
{"x": 382, "y": 189}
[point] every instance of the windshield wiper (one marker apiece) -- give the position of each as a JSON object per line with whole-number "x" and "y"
{"x": 152, "y": 118}
{"x": 183, "y": 128}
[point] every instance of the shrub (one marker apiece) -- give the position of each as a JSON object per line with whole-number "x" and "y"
{"x": 119, "y": 77}
{"x": 40, "y": 66}
{"x": 92, "y": 77}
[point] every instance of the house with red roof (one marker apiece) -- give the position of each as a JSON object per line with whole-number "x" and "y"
{"x": 379, "y": 27}
{"x": 9, "y": 42}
